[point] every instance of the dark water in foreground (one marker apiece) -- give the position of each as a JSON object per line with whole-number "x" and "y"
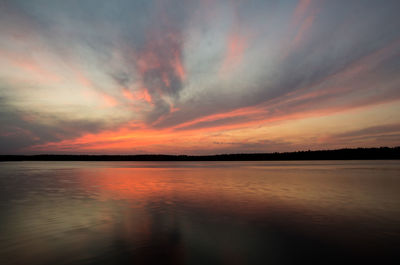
{"x": 199, "y": 212}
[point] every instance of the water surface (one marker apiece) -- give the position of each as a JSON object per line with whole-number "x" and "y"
{"x": 199, "y": 212}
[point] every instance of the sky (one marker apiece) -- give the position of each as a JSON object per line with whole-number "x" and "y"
{"x": 198, "y": 77}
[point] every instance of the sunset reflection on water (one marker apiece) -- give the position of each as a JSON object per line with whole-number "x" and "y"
{"x": 198, "y": 212}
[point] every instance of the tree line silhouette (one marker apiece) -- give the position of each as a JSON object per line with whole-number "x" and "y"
{"x": 338, "y": 154}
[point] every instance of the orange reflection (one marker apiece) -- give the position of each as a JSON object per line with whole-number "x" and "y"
{"x": 128, "y": 183}
{"x": 218, "y": 184}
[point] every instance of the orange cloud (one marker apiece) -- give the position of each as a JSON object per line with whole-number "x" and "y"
{"x": 40, "y": 72}
{"x": 147, "y": 61}
{"x": 301, "y": 10}
{"x": 82, "y": 79}
{"x": 354, "y": 69}
{"x": 105, "y": 99}
{"x": 178, "y": 66}
{"x": 108, "y": 100}
{"x": 30, "y": 66}
{"x": 236, "y": 46}
{"x": 128, "y": 139}
{"x": 301, "y": 23}
{"x": 146, "y": 96}
{"x": 128, "y": 95}
{"x": 141, "y": 95}
{"x": 304, "y": 28}
{"x": 230, "y": 114}
{"x": 165, "y": 79}
{"x": 160, "y": 65}
{"x": 124, "y": 138}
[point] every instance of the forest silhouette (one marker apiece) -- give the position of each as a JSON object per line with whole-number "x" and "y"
{"x": 338, "y": 154}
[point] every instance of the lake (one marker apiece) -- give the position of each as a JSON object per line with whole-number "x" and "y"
{"x": 199, "y": 212}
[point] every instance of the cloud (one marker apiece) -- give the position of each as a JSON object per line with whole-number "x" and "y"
{"x": 20, "y": 130}
{"x": 380, "y": 135}
{"x": 379, "y": 130}
{"x": 189, "y": 68}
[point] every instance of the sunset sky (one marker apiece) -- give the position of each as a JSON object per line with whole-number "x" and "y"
{"x": 198, "y": 77}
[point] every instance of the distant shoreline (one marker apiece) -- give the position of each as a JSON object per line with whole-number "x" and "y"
{"x": 381, "y": 153}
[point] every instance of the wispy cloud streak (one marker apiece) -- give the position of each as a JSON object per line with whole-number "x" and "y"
{"x": 195, "y": 76}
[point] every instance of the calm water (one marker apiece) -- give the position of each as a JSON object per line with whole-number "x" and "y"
{"x": 199, "y": 212}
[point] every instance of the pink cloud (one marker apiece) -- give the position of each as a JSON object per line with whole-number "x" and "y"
{"x": 236, "y": 45}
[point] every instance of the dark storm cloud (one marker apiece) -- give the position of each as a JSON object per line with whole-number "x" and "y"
{"x": 20, "y": 129}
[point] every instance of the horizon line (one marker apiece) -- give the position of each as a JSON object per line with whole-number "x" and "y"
{"x": 359, "y": 153}
{"x": 215, "y": 154}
